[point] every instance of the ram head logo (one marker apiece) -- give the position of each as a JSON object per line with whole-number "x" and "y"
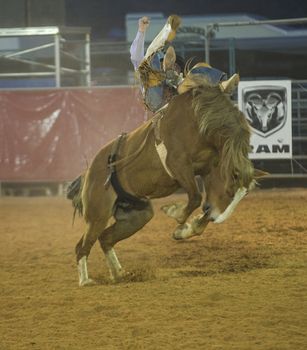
{"x": 266, "y": 114}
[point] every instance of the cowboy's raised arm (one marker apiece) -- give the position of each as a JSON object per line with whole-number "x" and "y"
{"x": 137, "y": 46}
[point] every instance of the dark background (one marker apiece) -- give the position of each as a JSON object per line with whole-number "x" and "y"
{"x": 107, "y": 17}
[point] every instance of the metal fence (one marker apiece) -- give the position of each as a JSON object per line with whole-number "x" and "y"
{"x": 44, "y": 56}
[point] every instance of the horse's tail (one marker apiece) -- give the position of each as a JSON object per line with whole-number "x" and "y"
{"x": 73, "y": 193}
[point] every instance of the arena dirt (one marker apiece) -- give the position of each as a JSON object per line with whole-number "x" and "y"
{"x": 241, "y": 285}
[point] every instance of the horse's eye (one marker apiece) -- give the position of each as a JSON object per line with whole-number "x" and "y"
{"x": 230, "y": 193}
{"x": 235, "y": 176}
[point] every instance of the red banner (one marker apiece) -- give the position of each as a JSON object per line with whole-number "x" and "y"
{"x": 51, "y": 135}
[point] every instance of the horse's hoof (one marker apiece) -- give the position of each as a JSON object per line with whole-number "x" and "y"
{"x": 168, "y": 208}
{"x": 183, "y": 232}
{"x": 173, "y": 210}
{"x": 124, "y": 276}
{"x": 87, "y": 283}
{"x": 118, "y": 276}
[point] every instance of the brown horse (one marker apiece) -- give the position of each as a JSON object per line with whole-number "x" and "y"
{"x": 199, "y": 132}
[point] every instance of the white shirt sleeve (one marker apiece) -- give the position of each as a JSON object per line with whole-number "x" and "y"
{"x": 137, "y": 49}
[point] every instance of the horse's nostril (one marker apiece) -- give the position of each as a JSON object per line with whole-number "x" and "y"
{"x": 206, "y": 208}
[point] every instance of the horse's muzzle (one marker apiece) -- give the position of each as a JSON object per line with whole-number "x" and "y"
{"x": 207, "y": 211}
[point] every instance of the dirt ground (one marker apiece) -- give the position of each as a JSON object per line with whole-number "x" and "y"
{"x": 241, "y": 285}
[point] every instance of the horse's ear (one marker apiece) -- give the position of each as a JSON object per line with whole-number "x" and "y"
{"x": 260, "y": 173}
{"x": 169, "y": 59}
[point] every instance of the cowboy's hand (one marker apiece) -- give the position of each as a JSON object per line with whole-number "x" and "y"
{"x": 143, "y": 24}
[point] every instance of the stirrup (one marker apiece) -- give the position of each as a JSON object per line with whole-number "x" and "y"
{"x": 229, "y": 85}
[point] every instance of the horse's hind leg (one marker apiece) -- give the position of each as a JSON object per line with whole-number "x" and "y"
{"x": 126, "y": 224}
{"x": 83, "y": 249}
{"x": 97, "y": 211}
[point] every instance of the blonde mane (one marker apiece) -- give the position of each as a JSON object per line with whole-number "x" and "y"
{"x": 223, "y": 123}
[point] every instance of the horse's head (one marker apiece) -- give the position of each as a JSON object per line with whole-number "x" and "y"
{"x": 225, "y": 129}
{"x": 223, "y": 195}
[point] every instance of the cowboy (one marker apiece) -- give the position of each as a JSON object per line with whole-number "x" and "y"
{"x": 158, "y": 69}
{"x": 161, "y": 71}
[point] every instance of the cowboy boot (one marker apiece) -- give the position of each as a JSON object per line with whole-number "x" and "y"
{"x": 229, "y": 85}
{"x": 167, "y": 34}
{"x": 174, "y": 22}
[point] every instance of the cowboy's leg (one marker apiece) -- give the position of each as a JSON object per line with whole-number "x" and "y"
{"x": 154, "y": 98}
{"x": 167, "y": 34}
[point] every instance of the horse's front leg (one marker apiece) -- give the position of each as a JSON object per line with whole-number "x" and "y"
{"x": 181, "y": 211}
{"x": 194, "y": 228}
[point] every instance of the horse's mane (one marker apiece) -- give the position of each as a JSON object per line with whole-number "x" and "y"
{"x": 223, "y": 123}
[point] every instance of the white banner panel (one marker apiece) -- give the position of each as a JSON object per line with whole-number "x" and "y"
{"x": 267, "y": 107}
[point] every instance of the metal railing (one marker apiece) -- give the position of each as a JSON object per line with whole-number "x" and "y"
{"x": 211, "y": 28}
{"x": 42, "y": 51}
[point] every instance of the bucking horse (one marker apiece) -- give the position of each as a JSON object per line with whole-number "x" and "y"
{"x": 200, "y": 132}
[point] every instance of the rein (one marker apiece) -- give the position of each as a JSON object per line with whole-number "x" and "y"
{"x": 125, "y": 200}
{"x": 159, "y": 144}
{"x": 123, "y": 196}
{"x": 154, "y": 125}
{"x": 115, "y": 163}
